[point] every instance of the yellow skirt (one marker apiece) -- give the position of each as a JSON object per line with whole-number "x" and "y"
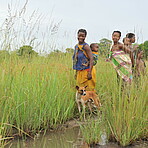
{"x": 82, "y": 79}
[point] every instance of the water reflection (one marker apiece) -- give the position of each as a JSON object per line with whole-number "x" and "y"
{"x": 69, "y": 138}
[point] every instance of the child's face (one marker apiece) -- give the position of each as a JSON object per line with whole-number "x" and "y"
{"x": 133, "y": 39}
{"x": 126, "y": 41}
{"x": 115, "y": 36}
{"x": 81, "y": 37}
{"x": 95, "y": 48}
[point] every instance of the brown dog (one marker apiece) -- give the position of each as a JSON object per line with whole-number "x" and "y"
{"x": 84, "y": 98}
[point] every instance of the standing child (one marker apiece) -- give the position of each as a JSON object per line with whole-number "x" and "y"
{"x": 120, "y": 59}
{"x": 83, "y": 63}
{"x": 131, "y": 37}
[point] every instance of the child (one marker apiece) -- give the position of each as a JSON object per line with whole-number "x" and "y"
{"x": 140, "y": 64}
{"x": 126, "y": 41}
{"x": 85, "y": 73}
{"x": 120, "y": 59}
{"x": 94, "y": 48}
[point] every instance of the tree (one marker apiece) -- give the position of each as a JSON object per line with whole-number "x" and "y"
{"x": 104, "y": 46}
{"x": 144, "y": 47}
{"x": 26, "y": 51}
{"x": 69, "y": 50}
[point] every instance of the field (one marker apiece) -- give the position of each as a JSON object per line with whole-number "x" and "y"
{"x": 38, "y": 93}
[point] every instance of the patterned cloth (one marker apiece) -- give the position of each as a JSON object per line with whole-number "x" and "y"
{"x": 122, "y": 64}
{"x": 82, "y": 79}
{"x": 95, "y": 57}
{"x": 80, "y": 60}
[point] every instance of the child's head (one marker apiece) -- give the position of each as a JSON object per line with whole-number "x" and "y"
{"x": 94, "y": 47}
{"x": 82, "y": 35}
{"x": 116, "y": 36}
{"x": 126, "y": 41}
{"x": 139, "y": 54}
{"x": 131, "y": 37}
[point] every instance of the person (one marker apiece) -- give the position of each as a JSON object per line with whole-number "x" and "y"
{"x": 126, "y": 41}
{"x": 131, "y": 38}
{"x": 120, "y": 58}
{"x": 94, "y": 48}
{"x": 140, "y": 64}
{"x": 83, "y": 63}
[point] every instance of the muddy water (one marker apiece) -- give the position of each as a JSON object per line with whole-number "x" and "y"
{"x": 69, "y": 138}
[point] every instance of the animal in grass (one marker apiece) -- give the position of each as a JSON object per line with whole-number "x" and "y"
{"x": 89, "y": 98}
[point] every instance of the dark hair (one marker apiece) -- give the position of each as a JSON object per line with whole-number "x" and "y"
{"x": 82, "y": 30}
{"x": 124, "y": 39}
{"x": 130, "y": 35}
{"x": 117, "y": 32}
{"x": 92, "y": 45}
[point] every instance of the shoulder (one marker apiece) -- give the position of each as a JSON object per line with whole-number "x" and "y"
{"x": 86, "y": 46}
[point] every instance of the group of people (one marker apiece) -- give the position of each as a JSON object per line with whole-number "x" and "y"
{"x": 126, "y": 59}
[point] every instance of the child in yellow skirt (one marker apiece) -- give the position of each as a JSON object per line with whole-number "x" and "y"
{"x": 83, "y": 63}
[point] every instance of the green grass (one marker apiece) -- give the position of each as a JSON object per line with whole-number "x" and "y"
{"x": 39, "y": 93}
{"x": 35, "y": 95}
{"x": 124, "y": 108}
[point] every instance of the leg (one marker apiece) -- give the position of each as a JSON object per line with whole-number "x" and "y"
{"x": 89, "y": 105}
{"x": 83, "y": 104}
{"x": 78, "y": 101}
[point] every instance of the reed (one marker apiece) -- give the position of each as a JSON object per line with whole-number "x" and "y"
{"x": 124, "y": 108}
{"x": 35, "y": 95}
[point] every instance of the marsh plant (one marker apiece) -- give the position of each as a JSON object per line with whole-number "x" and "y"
{"x": 39, "y": 93}
{"x": 123, "y": 108}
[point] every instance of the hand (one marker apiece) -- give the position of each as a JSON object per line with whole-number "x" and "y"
{"x": 89, "y": 76}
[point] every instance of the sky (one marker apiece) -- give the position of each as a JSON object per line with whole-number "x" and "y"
{"x": 99, "y": 17}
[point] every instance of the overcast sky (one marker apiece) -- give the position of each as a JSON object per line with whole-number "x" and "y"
{"x": 99, "y": 17}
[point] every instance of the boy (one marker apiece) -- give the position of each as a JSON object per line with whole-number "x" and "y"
{"x": 120, "y": 59}
{"x": 94, "y": 48}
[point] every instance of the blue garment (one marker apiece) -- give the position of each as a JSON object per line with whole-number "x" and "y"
{"x": 80, "y": 61}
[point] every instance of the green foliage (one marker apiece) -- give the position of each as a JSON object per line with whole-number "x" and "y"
{"x": 37, "y": 95}
{"x": 69, "y": 50}
{"x": 104, "y": 47}
{"x": 144, "y": 47}
{"x": 26, "y": 51}
{"x": 124, "y": 109}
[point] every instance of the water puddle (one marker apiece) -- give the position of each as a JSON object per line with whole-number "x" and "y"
{"x": 69, "y": 138}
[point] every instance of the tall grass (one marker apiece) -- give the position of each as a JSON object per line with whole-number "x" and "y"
{"x": 40, "y": 93}
{"x": 124, "y": 108}
{"x": 35, "y": 95}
